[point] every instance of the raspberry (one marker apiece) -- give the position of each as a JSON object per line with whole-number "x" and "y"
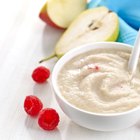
{"x": 48, "y": 119}
{"x": 94, "y": 68}
{"x": 41, "y": 74}
{"x": 32, "y": 105}
{"x": 97, "y": 68}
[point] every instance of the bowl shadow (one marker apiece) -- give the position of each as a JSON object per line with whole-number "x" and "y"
{"x": 75, "y": 132}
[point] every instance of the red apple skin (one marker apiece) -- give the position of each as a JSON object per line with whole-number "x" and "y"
{"x": 43, "y": 15}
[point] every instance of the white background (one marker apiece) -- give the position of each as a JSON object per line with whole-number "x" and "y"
{"x": 24, "y": 40}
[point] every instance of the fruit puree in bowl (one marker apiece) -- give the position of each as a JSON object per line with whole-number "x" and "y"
{"x": 98, "y": 81}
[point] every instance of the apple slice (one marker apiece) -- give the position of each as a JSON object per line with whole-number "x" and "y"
{"x": 60, "y": 13}
{"x": 93, "y": 25}
{"x": 44, "y": 16}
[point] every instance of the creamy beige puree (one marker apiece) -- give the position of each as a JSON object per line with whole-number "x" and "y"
{"x": 98, "y": 81}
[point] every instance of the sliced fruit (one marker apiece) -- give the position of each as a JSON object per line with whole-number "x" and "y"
{"x": 60, "y": 13}
{"x": 93, "y": 25}
{"x": 44, "y": 16}
{"x": 98, "y": 24}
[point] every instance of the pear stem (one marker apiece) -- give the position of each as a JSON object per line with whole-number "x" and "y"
{"x": 48, "y": 58}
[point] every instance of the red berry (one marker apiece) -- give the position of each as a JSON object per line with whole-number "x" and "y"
{"x": 41, "y": 74}
{"x": 94, "y": 68}
{"x": 32, "y": 105}
{"x": 48, "y": 119}
{"x": 97, "y": 68}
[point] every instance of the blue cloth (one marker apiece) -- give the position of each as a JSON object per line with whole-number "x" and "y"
{"x": 129, "y": 17}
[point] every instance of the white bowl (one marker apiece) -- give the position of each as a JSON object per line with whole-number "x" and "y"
{"x": 95, "y": 121}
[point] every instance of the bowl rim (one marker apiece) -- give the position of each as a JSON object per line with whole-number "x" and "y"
{"x": 66, "y": 59}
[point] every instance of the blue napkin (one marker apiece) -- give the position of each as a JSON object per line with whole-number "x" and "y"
{"x": 129, "y": 17}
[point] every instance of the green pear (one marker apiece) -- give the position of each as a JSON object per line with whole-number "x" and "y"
{"x": 92, "y": 25}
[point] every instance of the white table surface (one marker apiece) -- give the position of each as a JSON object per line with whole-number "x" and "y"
{"x": 24, "y": 40}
